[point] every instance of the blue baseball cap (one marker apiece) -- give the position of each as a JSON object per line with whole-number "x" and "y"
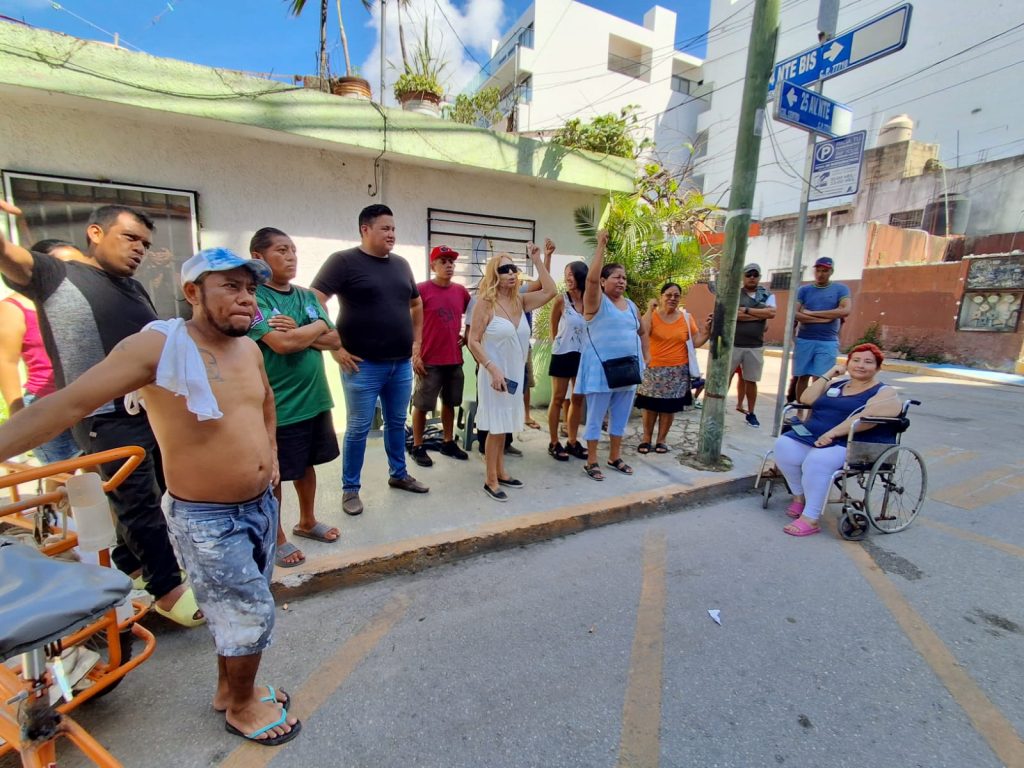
{"x": 222, "y": 260}
{"x": 825, "y": 261}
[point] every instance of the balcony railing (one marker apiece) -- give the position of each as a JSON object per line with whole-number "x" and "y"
{"x": 627, "y": 66}
{"x": 522, "y": 38}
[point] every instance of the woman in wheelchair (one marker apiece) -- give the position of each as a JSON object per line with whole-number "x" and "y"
{"x": 810, "y": 451}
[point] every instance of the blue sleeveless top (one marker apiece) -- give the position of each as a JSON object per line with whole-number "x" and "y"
{"x": 833, "y": 408}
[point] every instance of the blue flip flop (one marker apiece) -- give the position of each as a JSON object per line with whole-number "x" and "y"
{"x": 271, "y": 696}
{"x": 254, "y": 737}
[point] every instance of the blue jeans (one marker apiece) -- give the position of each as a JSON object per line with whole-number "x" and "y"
{"x": 391, "y": 382}
{"x": 62, "y": 447}
{"x": 228, "y": 554}
{"x": 812, "y": 357}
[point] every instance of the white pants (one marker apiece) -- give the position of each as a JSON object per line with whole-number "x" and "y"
{"x": 808, "y": 470}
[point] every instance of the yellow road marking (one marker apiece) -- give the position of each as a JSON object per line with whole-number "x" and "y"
{"x": 986, "y": 718}
{"x": 1002, "y": 546}
{"x": 640, "y": 744}
{"x": 324, "y": 681}
{"x": 986, "y": 488}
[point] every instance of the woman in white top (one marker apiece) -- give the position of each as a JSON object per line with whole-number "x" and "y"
{"x": 569, "y": 329}
{"x": 499, "y": 339}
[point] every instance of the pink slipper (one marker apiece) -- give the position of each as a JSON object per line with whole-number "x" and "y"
{"x": 795, "y": 509}
{"x": 801, "y": 528}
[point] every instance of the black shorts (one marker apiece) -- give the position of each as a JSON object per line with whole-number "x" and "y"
{"x": 565, "y": 366}
{"x": 306, "y": 444}
{"x": 444, "y": 380}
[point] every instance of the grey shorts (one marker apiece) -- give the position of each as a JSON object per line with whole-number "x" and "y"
{"x": 444, "y": 380}
{"x": 750, "y": 361}
{"x": 228, "y": 553}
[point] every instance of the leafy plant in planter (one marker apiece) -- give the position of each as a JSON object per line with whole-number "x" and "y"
{"x": 423, "y": 74}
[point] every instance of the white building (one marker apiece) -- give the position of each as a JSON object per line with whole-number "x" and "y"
{"x": 956, "y": 78}
{"x": 562, "y": 59}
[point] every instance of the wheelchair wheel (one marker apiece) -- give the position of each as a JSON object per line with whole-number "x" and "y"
{"x": 896, "y": 488}
{"x": 766, "y": 492}
{"x": 853, "y": 526}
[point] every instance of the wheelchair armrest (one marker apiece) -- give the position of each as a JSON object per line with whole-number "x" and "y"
{"x": 880, "y": 419}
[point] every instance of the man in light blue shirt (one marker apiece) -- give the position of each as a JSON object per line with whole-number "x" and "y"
{"x": 820, "y": 309}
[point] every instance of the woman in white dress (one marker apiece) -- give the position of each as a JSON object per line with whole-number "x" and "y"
{"x": 499, "y": 339}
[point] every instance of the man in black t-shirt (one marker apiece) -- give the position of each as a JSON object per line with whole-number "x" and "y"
{"x": 380, "y": 325}
{"x": 85, "y": 309}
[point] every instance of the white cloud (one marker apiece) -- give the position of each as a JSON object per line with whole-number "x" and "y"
{"x": 476, "y": 24}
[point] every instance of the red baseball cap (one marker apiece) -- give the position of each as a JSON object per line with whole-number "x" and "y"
{"x": 440, "y": 251}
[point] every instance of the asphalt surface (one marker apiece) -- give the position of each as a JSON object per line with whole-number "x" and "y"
{"x": 598, "y": 649}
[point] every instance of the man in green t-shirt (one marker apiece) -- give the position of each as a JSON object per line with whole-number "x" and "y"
{"x": 292, "y": 329}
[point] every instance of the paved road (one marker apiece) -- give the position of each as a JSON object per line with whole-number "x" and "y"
{"x": 598, "y": 650}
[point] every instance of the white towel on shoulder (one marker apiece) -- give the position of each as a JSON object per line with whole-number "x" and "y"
{"x": 181, "y": 371}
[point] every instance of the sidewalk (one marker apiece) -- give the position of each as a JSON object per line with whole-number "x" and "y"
{"x": 403, "y": 532}
{"x": 945, "y": 370}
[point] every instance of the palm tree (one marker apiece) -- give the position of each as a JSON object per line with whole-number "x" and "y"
{"x": 295, "y": 7}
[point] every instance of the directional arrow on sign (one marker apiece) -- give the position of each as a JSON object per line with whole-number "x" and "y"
{"x": 813, "y": 112}
{"x": 833, "y": 51}
{"x": 791, "y": 96}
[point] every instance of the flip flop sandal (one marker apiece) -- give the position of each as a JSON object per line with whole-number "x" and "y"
{"x": 273, "y": 741}
{"x": 318, "y": 533}
{"x": 621, "y": 466}
{"x": 801, "y": 528}
{"x": 286, "y": 703}
{"x": 643, "y": 448}
{"x": 184, "y": 610}
{"x": 532, "y": 424}
{"x": 795, "y": 509}
{"x": 593, "y": 471}
{"x": 283, "y": 551}
{"x": 557, "y": 452}
{"x": 661, "y": 448}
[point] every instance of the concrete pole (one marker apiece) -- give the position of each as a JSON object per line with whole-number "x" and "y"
{"x": 764, "y": 34}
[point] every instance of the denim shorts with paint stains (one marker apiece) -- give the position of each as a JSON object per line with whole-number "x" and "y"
{"x": 228, "y": 552}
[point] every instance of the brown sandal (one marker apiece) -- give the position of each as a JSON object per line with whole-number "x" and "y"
{"x": 593, "y": 471}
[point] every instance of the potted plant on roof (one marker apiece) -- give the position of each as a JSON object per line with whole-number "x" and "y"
{"x": 419, "y": 88}
{"x": 350, "y": 84}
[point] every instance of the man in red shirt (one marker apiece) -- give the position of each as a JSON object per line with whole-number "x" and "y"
{"x": 438, "y": 367}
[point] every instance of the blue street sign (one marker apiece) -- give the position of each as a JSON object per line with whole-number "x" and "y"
{"x": 813, "y": 112}
{"x": 835, "y": 168}
{"x": 872, "y": 40}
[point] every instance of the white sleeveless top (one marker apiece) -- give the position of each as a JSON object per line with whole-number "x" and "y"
{"x": 572, "y": 330}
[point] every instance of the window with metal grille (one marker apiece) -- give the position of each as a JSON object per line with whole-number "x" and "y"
{"x": 781, "y": 281}
{"x": 477, "y": 237}
{"x": 907, "y": 219}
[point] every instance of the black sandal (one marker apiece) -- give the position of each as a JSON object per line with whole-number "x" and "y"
{"x": 621, "y": 466}
{"x": 577, "y": 449}
{"x": 593, "y": 471}
{"x": 644, "y": 448}
{"x": 661, "y": 448}
{"x": 557, "y": 452}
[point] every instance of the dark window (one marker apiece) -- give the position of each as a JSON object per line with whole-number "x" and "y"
{"x": 781, "y": 281}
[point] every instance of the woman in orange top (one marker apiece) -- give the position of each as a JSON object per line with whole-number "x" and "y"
{"x": 666, "y": 385}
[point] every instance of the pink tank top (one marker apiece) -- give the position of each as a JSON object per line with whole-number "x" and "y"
{"x": 33, "y": 354}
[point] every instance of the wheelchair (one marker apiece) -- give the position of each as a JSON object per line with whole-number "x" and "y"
{"x": 881, "y": 485}
{"x": 69, "y": 622}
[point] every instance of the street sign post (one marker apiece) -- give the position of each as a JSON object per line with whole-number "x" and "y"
{"x": 813, "y": 112}
{"x": 835, "y": 168}
{"x": 856, "y": 47}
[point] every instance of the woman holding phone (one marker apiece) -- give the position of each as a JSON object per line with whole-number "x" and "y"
{"x": 499, "y": 339}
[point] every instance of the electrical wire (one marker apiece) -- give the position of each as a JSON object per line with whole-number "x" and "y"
{"x": 114, "y": 35}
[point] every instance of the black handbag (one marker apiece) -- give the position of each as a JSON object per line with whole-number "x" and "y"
{"x": 620, "y": 371}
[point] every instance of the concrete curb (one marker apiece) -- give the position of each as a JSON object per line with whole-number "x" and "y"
{"x": 417, "y": 554}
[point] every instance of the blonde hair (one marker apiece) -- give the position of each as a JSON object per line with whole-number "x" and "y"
{"x": 487, "y": 290}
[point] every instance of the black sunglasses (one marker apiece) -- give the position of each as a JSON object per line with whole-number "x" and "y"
{"x": 751, "y": 274}
{"x": 507, "y": 269}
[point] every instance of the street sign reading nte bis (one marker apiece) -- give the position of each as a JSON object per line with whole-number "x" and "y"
{"x": 871, "y": 40}
{"x": 813, "y": 112}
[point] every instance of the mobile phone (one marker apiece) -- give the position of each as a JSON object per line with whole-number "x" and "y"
{"x": 511, "y": 386}
{"x": 801, "y": 430}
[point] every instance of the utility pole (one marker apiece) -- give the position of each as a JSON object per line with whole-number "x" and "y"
{"x": 764, "y": 34}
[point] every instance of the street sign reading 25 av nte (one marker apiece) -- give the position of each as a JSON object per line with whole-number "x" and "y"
{"x": 812, "y": 111}
{"x": 871, "y": 40}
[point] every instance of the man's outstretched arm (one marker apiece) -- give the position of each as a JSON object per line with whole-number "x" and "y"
{"x": 130, "y": 365}
{"x": 15, "y": 262}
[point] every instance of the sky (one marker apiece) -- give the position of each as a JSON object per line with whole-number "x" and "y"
{"x": 260, "y": 36}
